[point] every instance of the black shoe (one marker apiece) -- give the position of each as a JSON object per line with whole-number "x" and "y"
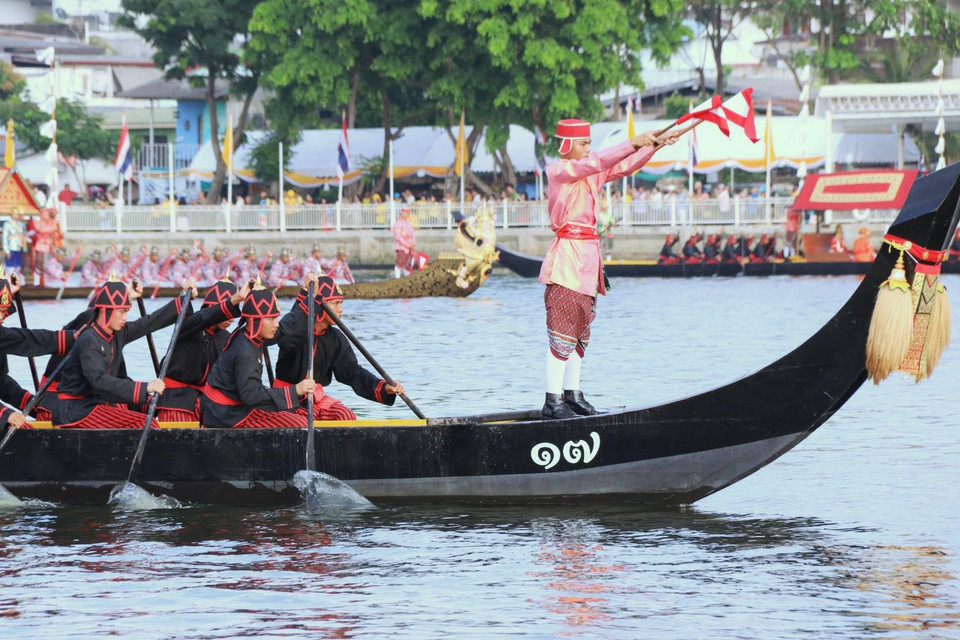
{"x": 579, "y": 404}
{"x": 555, "y": 408}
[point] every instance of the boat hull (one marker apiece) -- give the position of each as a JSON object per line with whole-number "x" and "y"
{"x": 438, "y": 279}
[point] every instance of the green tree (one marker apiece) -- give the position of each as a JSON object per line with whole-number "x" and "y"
{"x": 719, "y": 18}
{"x": 832, "y": 35}
{"x": 364, "y": 56}
{"x": 510, "y": 61}
{"x": 209, "y": 34}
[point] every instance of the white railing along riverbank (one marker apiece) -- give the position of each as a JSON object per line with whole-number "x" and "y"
{"x": 737, "y": 212}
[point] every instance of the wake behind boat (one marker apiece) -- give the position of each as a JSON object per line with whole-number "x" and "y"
{"x": 674, "y": 453}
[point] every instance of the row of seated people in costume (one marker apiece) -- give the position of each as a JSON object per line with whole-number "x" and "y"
{"x": 736, "y": 249}
{"x": 152, "y": 269}
{"x": 214, "y": 375}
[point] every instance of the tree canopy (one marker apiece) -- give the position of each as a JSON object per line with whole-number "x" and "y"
{"x": 206, "y": 34}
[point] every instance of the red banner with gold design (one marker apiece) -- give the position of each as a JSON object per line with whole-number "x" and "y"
{"x": 881, "y": 189}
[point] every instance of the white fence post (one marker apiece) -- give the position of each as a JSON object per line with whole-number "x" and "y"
{"x": 506, "y": 214}
{"x": 450, "y": 214}
{"x": 736, "y": 211}
{"x": 673, "y": 212}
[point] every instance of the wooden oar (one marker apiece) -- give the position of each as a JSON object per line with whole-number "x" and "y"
{"x": 23, "y": 323}
{"x": 366, "y": 354}
{"x": 63, "y": 283}
{"x": 152, "y": 409}
{"x": 39, "y": 394}
{"x": 153, "y": 347}
{"x": 311, "y": 454}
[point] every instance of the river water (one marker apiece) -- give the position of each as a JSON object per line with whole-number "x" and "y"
{"x": 855, "y": 533}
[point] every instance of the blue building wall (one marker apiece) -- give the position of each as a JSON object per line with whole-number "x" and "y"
{"x": 193, "y": 121}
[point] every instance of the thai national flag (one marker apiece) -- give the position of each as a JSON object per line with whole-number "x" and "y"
{"x": 124, "y": 161}
{"x": 343, "y": 151}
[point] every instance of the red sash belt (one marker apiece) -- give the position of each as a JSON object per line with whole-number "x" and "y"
{"x": 53, "y": 385}
{"x": 280, "y": 384}
{"x": 219, "y": 397}
{"x": 577, "y": 232}
{"x": 170, "y": 383}
{"x": 69, "y": 396}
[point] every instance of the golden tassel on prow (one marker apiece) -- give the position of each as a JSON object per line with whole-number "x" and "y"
{"x": 891, "y": 325}
{"x": 938, "y": 338}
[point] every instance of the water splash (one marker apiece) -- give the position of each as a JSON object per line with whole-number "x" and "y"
{"x": 321, "y": 491}
{"x": 8, "y": 500}
{"x": 129, "y": 496}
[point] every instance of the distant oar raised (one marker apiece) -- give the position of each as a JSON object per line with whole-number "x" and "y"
{"x": 152, "y": 410}
{"x": 370, "y": 358}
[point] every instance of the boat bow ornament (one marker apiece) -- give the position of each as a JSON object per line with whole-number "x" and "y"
{"x": 476, "y": 240}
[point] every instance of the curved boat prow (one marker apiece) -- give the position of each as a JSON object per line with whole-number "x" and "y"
{"x": 743, "y": 426}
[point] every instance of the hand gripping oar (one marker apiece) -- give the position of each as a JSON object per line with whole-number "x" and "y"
{"x": 152, "y": 409}
{"x": 311, "y": 454}
{"x": 153, "y": 347}
{"x": 366, "y": 354}
{"x": 23, "y": 323}
{"x": 42, "y": 390}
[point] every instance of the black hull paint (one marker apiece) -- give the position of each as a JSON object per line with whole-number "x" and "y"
{"x": 673, "y": 453}
{"x": 529, "y": 267}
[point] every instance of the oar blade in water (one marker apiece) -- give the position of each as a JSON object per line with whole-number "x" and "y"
{"x": 321, "y": 491}
{"x": 129, "y": 496}
{"x": 8, "y": 500}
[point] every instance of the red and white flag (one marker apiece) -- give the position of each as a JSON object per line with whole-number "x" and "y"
{"x": 739, "y": 111}
{"x": 709, "y": 111}
{"x": 123, "y": 162}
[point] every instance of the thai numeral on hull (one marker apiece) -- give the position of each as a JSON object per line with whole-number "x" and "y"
{"x": 547, "y": 454}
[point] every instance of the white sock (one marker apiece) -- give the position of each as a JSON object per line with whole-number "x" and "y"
{"x": 571, "y": 375}
{"x": 555, "y": 367}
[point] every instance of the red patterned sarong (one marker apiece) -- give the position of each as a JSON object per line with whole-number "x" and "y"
{"x": 260, "y": 419}
{"x": 177, "y": 415}
{"x": 327, "y": 408}
{"x": 111, "y": 416}
{"x": 405, "y": 261}
{"x": 569, "y": 314}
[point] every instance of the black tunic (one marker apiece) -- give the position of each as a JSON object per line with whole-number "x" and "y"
{"x": 237, "y": 375}
{"x": 25, "y": 342}
{"x": 96, "y": 374}
{"x": 333, "y": 356}
{"x": 198, "y": 346}
{"x": 49, "y": 399}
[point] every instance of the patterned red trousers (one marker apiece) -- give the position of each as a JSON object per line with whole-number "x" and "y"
{"x": 260, "y": 419}
{"x": 569, "y": 314}
{"x": 327, "y": 408}
{"x": 111, "y": 416}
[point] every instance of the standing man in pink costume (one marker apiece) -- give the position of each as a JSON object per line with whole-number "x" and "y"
{"x": 404, "y": 244}
{"x": 572, "y": 268}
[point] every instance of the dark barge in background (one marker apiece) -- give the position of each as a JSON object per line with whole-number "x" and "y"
{"x": 673, "y": 453}
{"x": 529, "y": 267}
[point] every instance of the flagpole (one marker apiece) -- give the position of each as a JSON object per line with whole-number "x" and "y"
{"x": 339, "y": 200}
{"x": 393, "y": 204}
{"x": 173, "y": 216}
{"x": 769, "y": 153}
{"x": 690, "y": 176}
{"x": 230, "y": 165}
{"x": 283, "y": 208}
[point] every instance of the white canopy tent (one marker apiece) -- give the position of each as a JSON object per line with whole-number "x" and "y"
{"x": 429, "y": 151}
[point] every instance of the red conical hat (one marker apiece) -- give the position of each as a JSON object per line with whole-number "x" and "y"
{"x": 220, "y": 291}
{"x": 260, "y": 304}
{"x": 569, "y": 130}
